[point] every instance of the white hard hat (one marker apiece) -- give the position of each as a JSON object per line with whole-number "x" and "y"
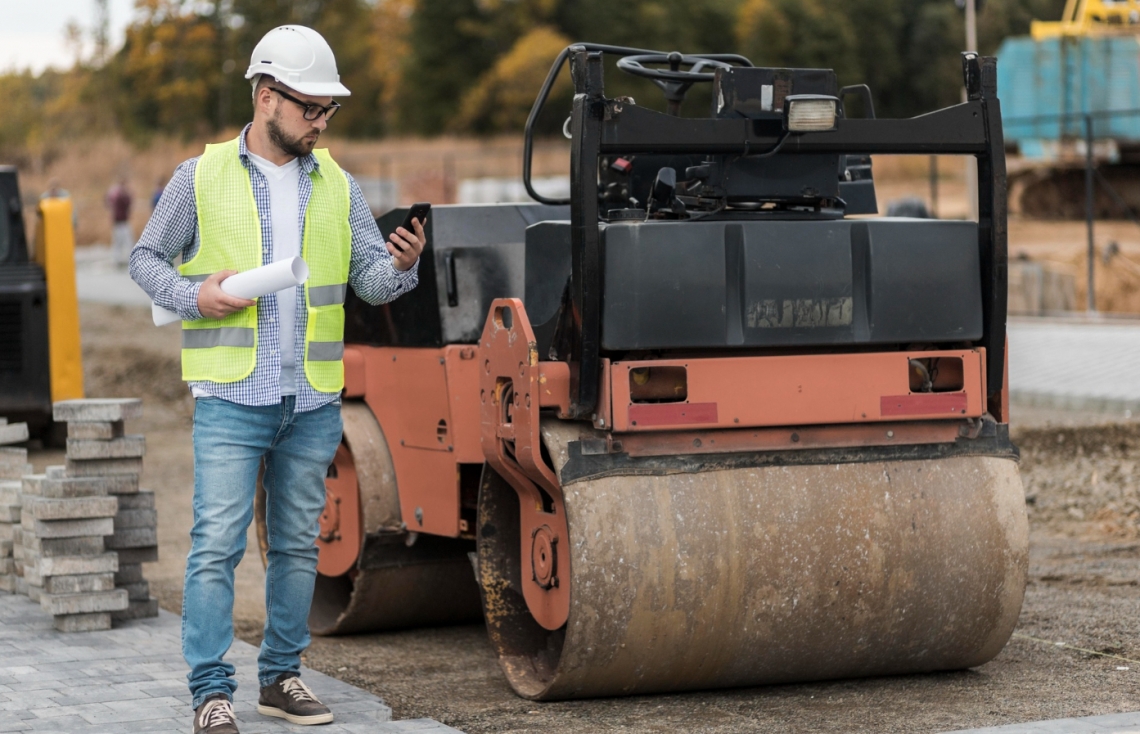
{"x": 299, "y": 58}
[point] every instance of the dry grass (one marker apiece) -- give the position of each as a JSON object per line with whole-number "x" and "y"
{"x": 428, "y": 170}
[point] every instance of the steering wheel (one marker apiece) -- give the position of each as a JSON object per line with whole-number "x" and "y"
{"x": 674, "y": 81}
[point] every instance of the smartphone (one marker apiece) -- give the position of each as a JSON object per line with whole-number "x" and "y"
{"x": 419, "y": 211}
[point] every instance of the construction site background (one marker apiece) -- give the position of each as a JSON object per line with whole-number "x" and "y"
{"x": 1048, "y": 258}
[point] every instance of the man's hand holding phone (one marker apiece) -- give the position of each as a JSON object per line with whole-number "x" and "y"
{"x": 406, "y": 244}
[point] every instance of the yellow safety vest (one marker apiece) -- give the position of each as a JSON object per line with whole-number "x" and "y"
{"x": 225, "y": 350}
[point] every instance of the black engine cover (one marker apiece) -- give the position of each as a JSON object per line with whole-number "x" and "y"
{"x": 774, "y": 283}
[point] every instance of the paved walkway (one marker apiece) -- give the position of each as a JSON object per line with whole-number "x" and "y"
{"x": 1076, "y": 365}
{"x": 133, "y": 679}
{"x": 1128, "y": 723}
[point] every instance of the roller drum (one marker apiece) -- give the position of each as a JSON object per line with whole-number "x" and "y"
{"x": 775, "y": 574}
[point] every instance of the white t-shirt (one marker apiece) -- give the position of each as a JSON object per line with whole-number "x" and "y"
{"x": 284, "y": 203}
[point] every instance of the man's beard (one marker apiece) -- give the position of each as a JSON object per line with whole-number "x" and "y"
{"x": 296, "y": 147}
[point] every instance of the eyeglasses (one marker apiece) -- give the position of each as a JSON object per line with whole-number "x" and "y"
{"x": 312, "y": 111}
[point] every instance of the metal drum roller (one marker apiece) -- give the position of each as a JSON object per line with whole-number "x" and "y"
{"x": 764, "y": 575}
{"x": 371, "y": 573}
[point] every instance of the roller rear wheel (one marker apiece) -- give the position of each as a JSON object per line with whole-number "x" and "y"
{"x": 371, "y": 574}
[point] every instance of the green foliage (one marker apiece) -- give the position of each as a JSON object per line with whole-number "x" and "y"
{"x": 473, "y": 66}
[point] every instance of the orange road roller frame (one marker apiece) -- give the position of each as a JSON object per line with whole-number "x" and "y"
{"x": 443, "y": 408}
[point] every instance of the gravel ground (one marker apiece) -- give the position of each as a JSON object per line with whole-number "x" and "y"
{"x": 1080, "y": 473}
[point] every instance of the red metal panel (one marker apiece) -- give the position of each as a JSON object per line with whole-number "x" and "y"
{"x": 927, "y": 404}
{"x": 793, "y": 390}
{"x": 462, "y": 363}
{"x": 407, "y": 390}
{"x": 354, "y": 385}
{"x": 672, "y": 414}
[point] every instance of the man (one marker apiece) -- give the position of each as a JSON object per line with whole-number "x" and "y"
{"x": 122, "y": 239}
{"x": 266, "y": 375}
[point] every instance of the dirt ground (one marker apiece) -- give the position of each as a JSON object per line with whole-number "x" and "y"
{"x": 1081, "y": 475}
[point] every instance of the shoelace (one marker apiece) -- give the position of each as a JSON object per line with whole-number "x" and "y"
{"x": 218, "y": 712}
{"x": 298, "y": 690}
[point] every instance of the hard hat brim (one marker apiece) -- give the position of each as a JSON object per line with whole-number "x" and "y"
{"x": 320, "y": 89}
{"x": 315, "y": 89}
{"x": 323, "y": 89}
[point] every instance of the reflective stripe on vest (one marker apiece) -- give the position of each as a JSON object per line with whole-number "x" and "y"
{"x": 225, "y": 350}
{"x": 327, "y": 295}
{"x": 223, "y": 336}
{"x": 326, "y": 351}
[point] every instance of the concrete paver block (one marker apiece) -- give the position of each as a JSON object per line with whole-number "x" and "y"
{"x": 62, "y": 486}
{"x": 13, "y": 433}
{"x": 76, "y": 565}
{"x": 102, "y": 467}
{"x": 76, "y": 508}
{"x": 128, "y": 573}
{"x": 102, "y": 601}
{"x": 97, "y": 410}
{"x": 125, "y": 447}
{"x": 72, "y": 528}
{"x": 10, "y": 492}
{"x": 138, "y": 555}
{"x": 138, "y": 591}
{"x": 136, "y": 609}
{"x": 80, "y": 583}
{"x": 11, "y": 456}
{"x": 82, "y": 622}
{"x": 141, "y": 500}
{"x": 130, "y": 519}
{"x": 47, "y": 547}
{"x": 102, "y": 431}
{"x": 132, "y": 538}
{"x": 15, "y": 471}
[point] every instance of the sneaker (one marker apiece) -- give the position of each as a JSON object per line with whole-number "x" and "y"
{"x": 215, "y": 716}
{"x": 290, "y": 699}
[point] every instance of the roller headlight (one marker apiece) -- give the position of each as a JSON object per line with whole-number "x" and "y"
{"x": 804, "y": 113}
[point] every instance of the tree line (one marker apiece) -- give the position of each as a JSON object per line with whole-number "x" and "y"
{"x": 429, "y": 67}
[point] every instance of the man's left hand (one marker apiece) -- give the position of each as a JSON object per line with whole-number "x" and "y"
{"x": 406, "y": 246}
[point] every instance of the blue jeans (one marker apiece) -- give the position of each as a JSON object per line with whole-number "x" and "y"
{"x": 230, "y": 442}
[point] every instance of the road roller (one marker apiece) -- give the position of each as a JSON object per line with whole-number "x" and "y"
{"x": 707, "y": 422}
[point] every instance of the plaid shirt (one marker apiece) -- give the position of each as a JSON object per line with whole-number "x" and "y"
{"x": 173, "y": 230}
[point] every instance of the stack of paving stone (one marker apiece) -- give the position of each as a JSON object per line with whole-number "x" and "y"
{"x": 66, "y": 567}
{"x": 12, "y": 432}
{"x": 13, "y": 465}
{"x": 97, "y": 447}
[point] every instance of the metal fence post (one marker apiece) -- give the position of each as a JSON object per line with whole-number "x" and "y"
{"x": 1091, "y": 301}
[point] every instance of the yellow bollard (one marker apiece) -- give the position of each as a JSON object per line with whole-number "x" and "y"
{"x": 55, "y": 252}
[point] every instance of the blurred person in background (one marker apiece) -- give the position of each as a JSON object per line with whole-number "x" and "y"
{"x": 159, "y": 186}
{"x": 122, "y": 239}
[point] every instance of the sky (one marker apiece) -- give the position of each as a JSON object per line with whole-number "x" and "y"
{"x": 31, "y": 32}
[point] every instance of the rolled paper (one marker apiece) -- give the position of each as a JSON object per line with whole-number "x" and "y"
{"x": 251, "y": 284}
